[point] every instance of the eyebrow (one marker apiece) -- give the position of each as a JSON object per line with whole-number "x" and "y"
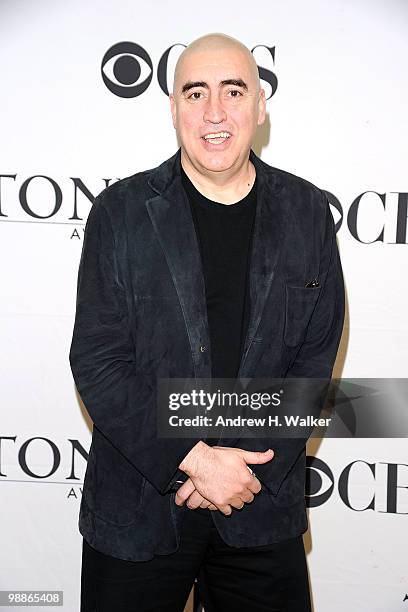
{"x": 236, "y": 82}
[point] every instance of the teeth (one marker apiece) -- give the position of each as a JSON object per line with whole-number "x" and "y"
{"x": 217, "y": 135}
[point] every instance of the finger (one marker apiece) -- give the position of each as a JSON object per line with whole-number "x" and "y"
{"x": 254, "y": 486}
{"x": 237, "y": 503}
{"x": 194, "y": 500}
{"x": 184, "y": 492}
{"x": 212, "y": 507}
{"x": 247, "y": 497}
{"x": 206, "y": 503}
{"x": 225, "y": 509}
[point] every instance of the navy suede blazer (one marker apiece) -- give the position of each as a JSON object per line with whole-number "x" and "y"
{"x": 141, "y": 315}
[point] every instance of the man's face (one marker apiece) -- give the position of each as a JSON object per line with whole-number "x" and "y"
{"x": 202, "y": 104}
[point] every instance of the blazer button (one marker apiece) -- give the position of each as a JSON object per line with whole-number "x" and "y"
{"x": 203, "y": 348}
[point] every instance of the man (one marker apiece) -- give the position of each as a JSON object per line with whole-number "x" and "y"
{"x": 213, "y": 264}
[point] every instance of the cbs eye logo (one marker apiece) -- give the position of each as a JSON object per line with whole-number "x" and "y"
{"x": 319, "y": 482}
{"x": 127, "y": 63}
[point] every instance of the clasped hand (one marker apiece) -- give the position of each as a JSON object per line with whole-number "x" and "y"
{"x": 219, "y": 478}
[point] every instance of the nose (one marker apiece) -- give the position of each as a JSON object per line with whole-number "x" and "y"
{"x": 214, "y": 111}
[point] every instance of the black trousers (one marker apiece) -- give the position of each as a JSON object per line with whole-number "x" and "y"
{"x": 272, "y": 578}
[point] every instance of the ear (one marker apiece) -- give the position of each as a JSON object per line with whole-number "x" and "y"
{"x": 261, "y": 107}
{"x": 173, "y": 109}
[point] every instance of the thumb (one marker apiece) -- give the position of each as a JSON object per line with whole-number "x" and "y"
{"x": 258, "y": 456}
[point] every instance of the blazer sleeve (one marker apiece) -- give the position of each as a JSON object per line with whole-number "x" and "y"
{"x": 120, "y": 399}
{"x": 315, "y": 359}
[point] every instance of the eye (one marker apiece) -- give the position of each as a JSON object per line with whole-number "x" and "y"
{"x": 236, "y": 91}
{"x": 193, "y": 94}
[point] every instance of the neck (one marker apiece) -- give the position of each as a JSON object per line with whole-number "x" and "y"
{"x": 224, "y": 187}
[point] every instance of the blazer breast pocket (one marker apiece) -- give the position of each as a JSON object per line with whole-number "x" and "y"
{"x": 300, "y": 303}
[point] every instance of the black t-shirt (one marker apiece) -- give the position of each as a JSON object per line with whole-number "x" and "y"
{"x": 224, "y": 234}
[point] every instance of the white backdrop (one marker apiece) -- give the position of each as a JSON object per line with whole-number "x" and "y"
{"x": 338, "y": 118}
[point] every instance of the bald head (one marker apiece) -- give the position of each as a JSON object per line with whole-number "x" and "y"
{"x": 217, "y": 44}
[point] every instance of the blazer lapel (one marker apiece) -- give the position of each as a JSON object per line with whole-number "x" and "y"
{"x": 171, "y": 218}
{"x": 269, "y": 231}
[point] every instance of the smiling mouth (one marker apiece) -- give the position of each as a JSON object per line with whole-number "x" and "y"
{"x": 216, "y": 137}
